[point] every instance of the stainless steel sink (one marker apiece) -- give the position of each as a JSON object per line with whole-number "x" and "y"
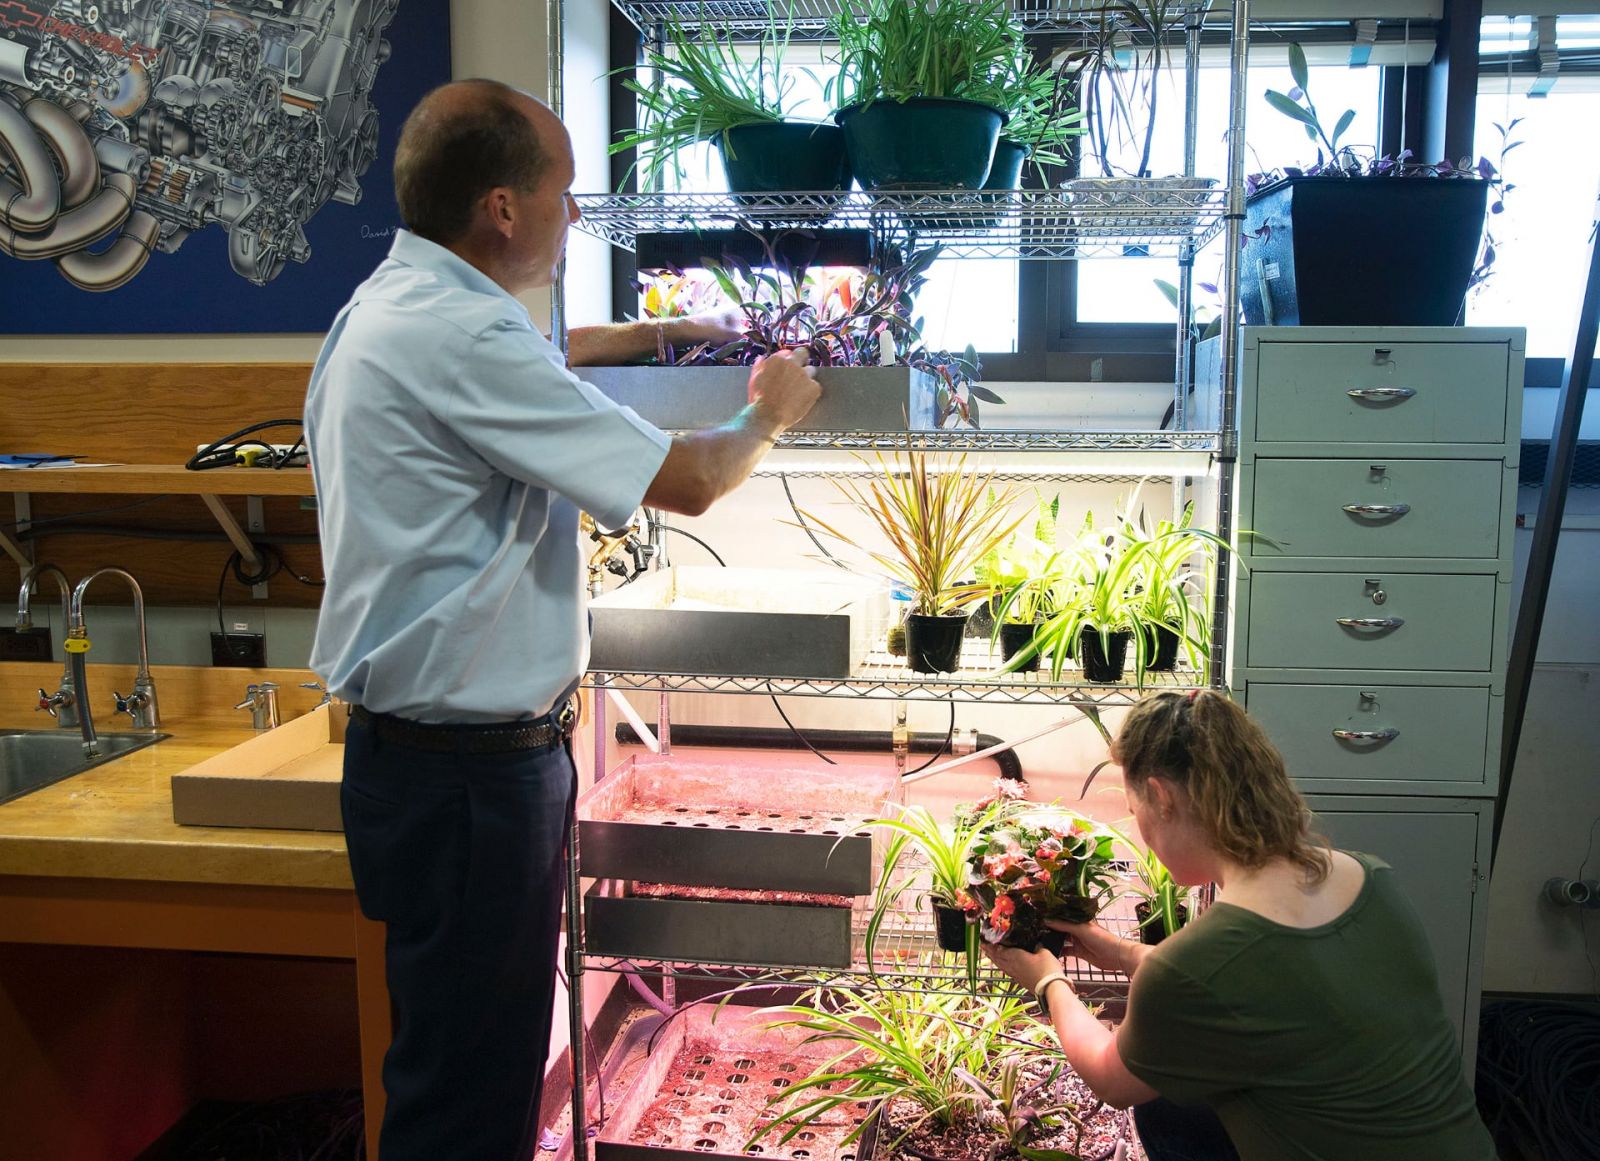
{"x": 30, "y": 759}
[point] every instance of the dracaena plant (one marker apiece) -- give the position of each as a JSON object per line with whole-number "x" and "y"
{"x": 937, "y": 520}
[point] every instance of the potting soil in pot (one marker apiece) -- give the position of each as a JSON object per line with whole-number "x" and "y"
{"x": 714, "y": 1096}
{"x": 1104, "y": 1129}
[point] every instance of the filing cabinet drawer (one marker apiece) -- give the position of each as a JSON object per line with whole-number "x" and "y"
{"x": 1424, "y": 621}
{"x": 1364, "y": 508}
{"x": 1370, "y": 393}
{"x": 1376, "y": 733}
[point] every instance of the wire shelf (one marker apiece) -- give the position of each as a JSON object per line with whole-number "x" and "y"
{"x": 906, "y": 957}
{"x": 1093, "y": 218}
{"x": 746, "y": 18}
{"x": 884, "y": 675}
{"x": 967, "y": 440}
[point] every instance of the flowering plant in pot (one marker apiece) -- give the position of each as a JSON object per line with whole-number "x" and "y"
{"x": 1043, "y": 864}
{"x": 917, "y": 835}
{"x": 910, "y": 90}
{"x": 711, "y": 92}
{"x": 938, "y": 520}
{"x": 1358, "y": 239}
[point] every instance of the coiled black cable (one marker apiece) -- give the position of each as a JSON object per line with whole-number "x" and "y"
{"x": 1538, "y": 1076}
{"x": 222, "y": 452}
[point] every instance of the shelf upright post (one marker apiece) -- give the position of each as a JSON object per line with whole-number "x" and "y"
{"x": 555, "y": 84}
{"x": 1193, "y": 20}
{"x": 1227, "y": 436}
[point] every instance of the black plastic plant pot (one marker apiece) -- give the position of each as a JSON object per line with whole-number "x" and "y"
{"x": 933, "y": 644}
{"x": 1014, "y": 639}
{"x": 1163, "y": 651}
{"x": 1004, "y": 174}
{"x": 1361, "y": 251}
{"x": 1100, "y": 664}
{"x": 950, "y": 925}
{"x": 784, "y": 157}
{"x": 923, "y": 143}
{"x": 1151, "y": 929}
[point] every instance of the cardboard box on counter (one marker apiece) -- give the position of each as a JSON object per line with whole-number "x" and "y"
{"x": 283, "y": 779}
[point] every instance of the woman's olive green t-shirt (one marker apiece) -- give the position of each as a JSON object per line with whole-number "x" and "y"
{"x": 1325, "y": 1043}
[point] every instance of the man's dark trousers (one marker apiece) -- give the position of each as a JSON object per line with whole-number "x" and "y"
{"x": 461, "y": 856}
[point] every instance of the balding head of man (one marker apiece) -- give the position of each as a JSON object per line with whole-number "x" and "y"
{"x": 486, "y": 170}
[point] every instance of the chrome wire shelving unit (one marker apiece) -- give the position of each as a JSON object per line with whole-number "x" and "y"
{"x": 1152, "y": 217}
{"x": 886, "y": 676}
{"x": 1094, "y": 218}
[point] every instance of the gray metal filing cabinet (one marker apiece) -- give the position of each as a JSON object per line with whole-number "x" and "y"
{"x": 1375, "y": 495}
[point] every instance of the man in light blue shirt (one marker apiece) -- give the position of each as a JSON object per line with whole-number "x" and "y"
{"x": 453, "y": 451}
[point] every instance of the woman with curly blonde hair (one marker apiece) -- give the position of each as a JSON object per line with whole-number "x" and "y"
{"x": 1301, "y": 1009}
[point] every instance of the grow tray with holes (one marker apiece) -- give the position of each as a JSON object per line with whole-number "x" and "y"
{"x": 705, "y": 1088}
{"x": 738, "y": 622}
{"x": 720, "y": 824}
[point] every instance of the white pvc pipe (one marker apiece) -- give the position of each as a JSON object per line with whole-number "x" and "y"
{"x": 634, "y": 720}
{"x": 976, "y": 755}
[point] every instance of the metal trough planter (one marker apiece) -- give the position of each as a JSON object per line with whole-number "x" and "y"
{"x": 705, "y": 1089}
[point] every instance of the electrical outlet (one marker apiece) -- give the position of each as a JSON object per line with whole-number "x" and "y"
{"x": 25, "y": 645}
{"x": 239, "y": 650}
{"x": 298, "y": 460}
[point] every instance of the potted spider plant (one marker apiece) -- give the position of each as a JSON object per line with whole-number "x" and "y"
{"x": 1356, "y": 239}
{"x": 1021, "y": 575}
{"x": 939, "y": 521}
{"x": 1096, "y": 617}
{"x": 910, "y": 87}
{"x": 708, "y": 91}
{"x": 1174, "y": 563}
{"x": 917, "y": 835}
{"x": 1163, "y": 905}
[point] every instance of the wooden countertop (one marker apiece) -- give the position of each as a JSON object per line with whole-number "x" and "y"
{"x": 151, "y": 479}
{"x": 115, "y": 821}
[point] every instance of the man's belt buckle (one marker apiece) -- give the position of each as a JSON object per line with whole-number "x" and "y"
{"x": 567, "y": 719}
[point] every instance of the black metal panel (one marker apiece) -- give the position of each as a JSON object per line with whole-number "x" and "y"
{"x": 747, "y": 860}
{"x": 768, "y": 934}
{"x": 1536, "y": 455}
{"x": 841, "y": 246}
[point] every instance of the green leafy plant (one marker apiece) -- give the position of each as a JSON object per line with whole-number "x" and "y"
{"x": 706, "y": 88}
{"x": 1036, "y": 97}
{"x": 893, "y": 50}
{"x": 945, "y": 1055}
{"x": 1174, "y": 562}
{"x": 945, "y": 848}
{"x": 1045, "y": 863}
{"x": 939, "y": 521}
{"x": 1166, "y": 900}
{"x": 1022, "y": 572}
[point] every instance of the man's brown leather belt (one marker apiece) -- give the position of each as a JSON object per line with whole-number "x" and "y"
{"x": 497, "y": 738}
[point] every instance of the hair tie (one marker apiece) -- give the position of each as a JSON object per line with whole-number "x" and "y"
{"x": 1192, "y": 694}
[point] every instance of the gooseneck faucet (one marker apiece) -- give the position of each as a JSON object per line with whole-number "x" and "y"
{"x": 140, "y": 705}
{"x": 63, "y": 703}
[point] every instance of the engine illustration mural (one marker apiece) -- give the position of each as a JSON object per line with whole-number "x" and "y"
{"x": 129, "y": 128}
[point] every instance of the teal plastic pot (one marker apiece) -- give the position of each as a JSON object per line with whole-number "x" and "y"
{"x": 783, "y": 157}
{"x": 1005, "y": 173}
{"x": 923, "y": 143}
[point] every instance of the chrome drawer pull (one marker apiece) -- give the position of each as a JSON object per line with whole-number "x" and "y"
{"x": 1377, "y": 510}
{"x": 1382, "y": 394}
{"x": 1371, "y": 622}
{"x": 1385, "y": 735}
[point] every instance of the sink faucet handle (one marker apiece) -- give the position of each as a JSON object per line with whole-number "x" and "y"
{"x": 49, "y": 701}
{"x": 132, "y": 703}
{"x": 262, "y": 703}
{"x": 317, "y": 685}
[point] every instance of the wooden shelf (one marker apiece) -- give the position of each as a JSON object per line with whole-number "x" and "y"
{"x": 154, "y": 479}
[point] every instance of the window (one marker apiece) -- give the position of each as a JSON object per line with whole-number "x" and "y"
{"x": 1541, "y": 237}
{"x": 1123, "y": 290}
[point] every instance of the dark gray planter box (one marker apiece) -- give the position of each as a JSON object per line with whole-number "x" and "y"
{"x": 690, "y": 398}
{"x": 704, "y": 931}
{"x": 706, "y": 823}
{"x": 738, "y": 622}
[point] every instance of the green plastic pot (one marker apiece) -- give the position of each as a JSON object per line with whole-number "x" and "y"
{"x": 1005, "y": 173}
{"x": 922, "y": 143}
{"x": 784, "y": 157}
